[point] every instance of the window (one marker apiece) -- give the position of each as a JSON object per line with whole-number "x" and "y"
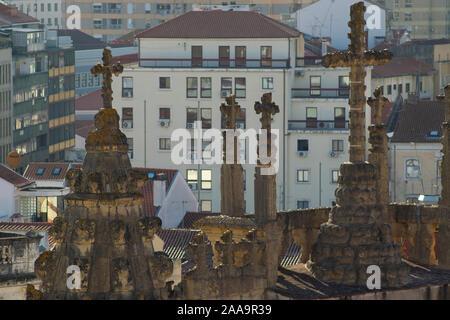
{"x": 224, "y": 56}
{"x": 164, "y": 113}
{"x": 163, "y": 9}
{"x": 56, "y": 171}
{"x": 240, "y": 55}
{"x": 98, "y": 24}
{"x": 206, "y": 205}
{"x": 240, "y": 120}
{"x": 191, "y": 117}
{"x": 84, "y": 79}
{"x": 407, "y": 88}
{"x": 339, "y": 117}
{"x": 408, "y": 16}
{"x": 302, "y": 145}
{"x": 396, "y": 3}
{"x": 412, "y": 169}
{"x": 192, "y": 178}
{"x": 205, "y": 88}
{"x": 197, "y": 56}
{"x": 302, "y": 175}
{"x": 127, "y": 118}
{"x": 90, "y": 80}
{"x": 206, "y": 114}
{"x": 408, "y": 3}
{"x": 311, "y": 117}
{"x": 191, "y": 87}
{"x": 49, "y": 7}
{"x": 396, "y": 16}
{"x": 56, "y": 7}
{"x": 344, "y": 83}
{"x": 400, "y": 88}
{"x": 40, "y": 171}
{"x": 314, "y": 82}
{"x": 267, "y": 83}
{"x": 226, "y": 87}
{"x": 164, "y": 82}
{"x": 337, "y": 145}
{"x": 97, "y": 8}
{"x": 395, "y": 87}
{"x": 266, "y": 56}
{"x": 303, "y": 204}
{"x": 49, "y": 21}
{"x": 239, "y": 87}
{"x": 127, "y": 87}
{"x": 56, "y": 21}
{"x": 206, "y": 176}
{"x": 130, "y": 8}
{"x": 148, "y": 8}
{"x": 164, "y": 144}
{"x": 115, "y": 24}
{"x": 77, "y": 80}
{"x": 130, "y": 147}
{"x": 334, "y": 176}
{"x": 389, "y": 89}
{"x": 130, "y": 24}
{"x": 438, "y": 168}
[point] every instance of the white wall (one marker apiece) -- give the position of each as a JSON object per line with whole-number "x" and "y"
{"x": 178, "y": 201}
{"x": 7, "y": 199}
{"x": 329, "y": 18}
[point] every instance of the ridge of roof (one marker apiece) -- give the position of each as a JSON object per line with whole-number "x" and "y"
{"x": 13, "y": 177}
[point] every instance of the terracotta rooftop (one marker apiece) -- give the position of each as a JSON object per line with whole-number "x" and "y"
{"x": 401, "y": 67}
{"x": 126, "y": 58}
{"x": 292, "y": 255}
{"x": 220, "y": 24}
{"x": 176, "y": 241}
{"x": 191, "y": 217}
{"x": 81, "y": 40}
{"x": 10, "y": 15}
{"x": 385, "y": 112}
{"x": 46, "y": 170}
{"x": 418, "y": 121}
{"x": 13, "y": 177}
{"x": 28, "y": 226}
{"x": 84, "y": 127}
{"x": 91, "y": 101}
{"x": 430, "y": 42}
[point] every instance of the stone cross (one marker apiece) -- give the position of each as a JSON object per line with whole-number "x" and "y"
{"x": 357, "y": 59}
{"x": 230, "y": 110}
{"x": 267, "y": 108}
{"x": 107, "y": 69}
{"x": 377, "y": 106}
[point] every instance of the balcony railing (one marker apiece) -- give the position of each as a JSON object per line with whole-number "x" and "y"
{"x": 320, "y": 93}
{"x": 308, "y": 61}
{"x": 213, "y": 63}
{"x": 312, "y": 124}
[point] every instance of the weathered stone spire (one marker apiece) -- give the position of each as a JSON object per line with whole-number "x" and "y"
{"x": 103, "y": 230}
{"x": 353, "y": 238}
{"x": 378, "y": 153}
{"x": 231, "y": 179}
{"x": 444, "y": 201}
{"x": 265, "y": 184}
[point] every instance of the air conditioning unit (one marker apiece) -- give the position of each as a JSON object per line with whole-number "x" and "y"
{"x": 164, "y": 123}
{"x": 299, "y": 73}
{"x": 190, "y": 125}
{"x": 127, "y": 124}
{"x": 302, "y": 153}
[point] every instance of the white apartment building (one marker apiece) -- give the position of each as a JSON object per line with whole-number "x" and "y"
{"x": 48, "y": 12}
{"x": 189, "y": 64}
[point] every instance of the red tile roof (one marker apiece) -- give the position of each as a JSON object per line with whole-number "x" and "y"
{"x": 385, "y": 113}
{"x": 401, "y": 67}
{"x": 176, "y": 241}
{"x": 91, "y": 101}
{"x": 13, "y": 177}
{"x": 126, "y": 58}
{"x": 10, "y": 15}
{"x": 220, "y": 24}
{"x": 417, "y": 121}
{"x": 147, "y": 190}
{"x": 292, "y": 255}
{"x": 191, "y": 217}
{"x": 49, "y": 167}
{"x": 28, "y": 226}
{"x": 84, "y": 127}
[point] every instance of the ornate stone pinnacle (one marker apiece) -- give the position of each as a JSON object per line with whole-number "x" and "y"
{"x": 356, "y": 58}
{"x": 267, "y": 108}
{"x": 107, "y": 69}
{"x": 230, "y": 110}
{"x": 377, "y": 106}
{"x": 444, "y": 200}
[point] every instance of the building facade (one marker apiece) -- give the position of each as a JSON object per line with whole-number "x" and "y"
{"x": 110, "y": 20}
{"x": 47, "y": 12}
{"x": 5, "y": 97}
{"x": 184, "y": 75}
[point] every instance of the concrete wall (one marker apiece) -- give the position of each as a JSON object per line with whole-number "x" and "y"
{"x": 7, "y": 199}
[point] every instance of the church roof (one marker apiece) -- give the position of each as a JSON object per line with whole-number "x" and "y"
{"x": 220, "y": 24}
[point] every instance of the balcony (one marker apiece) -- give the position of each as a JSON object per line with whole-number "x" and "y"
{"x": 213, "y": 63}
{"x": 320, "y": 93}
{"x": 318, "y": 125}
{"x": 30, "y": 106}
{"x": 26, "y": 81}
{"x": 25, "y": 134}
{"x": 308, "y": 61}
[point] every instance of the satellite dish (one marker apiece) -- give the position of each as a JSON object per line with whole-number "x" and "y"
{"x": 13, "y": 160}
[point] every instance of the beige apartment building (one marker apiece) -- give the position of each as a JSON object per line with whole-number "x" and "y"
{"x": 425, "y": 19}
{"x": 110, "y": 19}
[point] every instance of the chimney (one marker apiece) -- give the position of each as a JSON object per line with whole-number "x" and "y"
{"x": 13, "y": 11}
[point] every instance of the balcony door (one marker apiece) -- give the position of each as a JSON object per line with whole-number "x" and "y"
{"x": 240, "y": 56}
{"x": 339, "y": 117}
{"x": 266, "y": 56}
{"x": 197, "y": 56}
{"x": 311, "y": 117}
{"x": 224, "y": 56}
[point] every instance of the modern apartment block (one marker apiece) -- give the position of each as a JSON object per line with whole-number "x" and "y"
{"x": 424, "y": 19}
{"x": 48, "y": 12}
{"x": 30, "y": 84}
{"x": 109, "y": 20}
{"x": 5, "y": 97}
{"x": 188, "y": 66}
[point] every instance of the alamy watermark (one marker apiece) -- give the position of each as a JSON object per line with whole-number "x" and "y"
{"x": 188, "y": 149}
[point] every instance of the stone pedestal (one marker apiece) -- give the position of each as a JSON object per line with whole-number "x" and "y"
{"x": 353, "y": 239}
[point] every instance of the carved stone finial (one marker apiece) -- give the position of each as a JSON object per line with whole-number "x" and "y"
{"x": 377, "y": 104}
{"x": 267, "y": 108}
{"x": 230, "y": 110}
